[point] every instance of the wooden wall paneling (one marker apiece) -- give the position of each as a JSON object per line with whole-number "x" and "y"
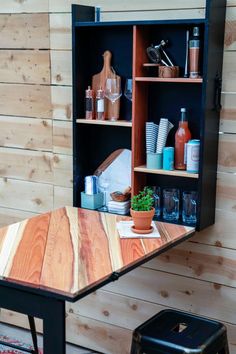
{"x": 227, "y": 153}
{"x": 62, "y": 170}
{"x": 204, "y": 262}
{"x": 25, "y": 100}
{"x": 60, "y": 31}
{"x": 151, "y": 15}
{"x": 229, "y": 72}
{"x": 25, "y": 66}
{"x": 10, "y": 216}
{"x": 228, "y": 113}
{"x": 222, "y": 233}
{"x": 61, "y": 97}
{"x": 26, "y": 133}
{"x": 62, "y": 137}
{"x": 230, "y": 28}
{"x": 26, "y": 165}
{"x": 80, "y": 330}
{"x": 171, "y": 290}
{"x": 123, "y": 5}
{"x": 27, "y": 196}
{"x": 28, "y": 6}
{"x": 62, "y": 197}
{"x": 60, "y": 24}
{"x": 28, "y": 31}
{"x": 226, "y": 192}
{"x": 61, "y": 67}
{"x": 97, "y": 335}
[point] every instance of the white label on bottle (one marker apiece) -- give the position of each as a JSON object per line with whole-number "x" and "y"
{"x": 100, "y": 105}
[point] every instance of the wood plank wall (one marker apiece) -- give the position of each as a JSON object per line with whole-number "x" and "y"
{"x": 36, "y": 175}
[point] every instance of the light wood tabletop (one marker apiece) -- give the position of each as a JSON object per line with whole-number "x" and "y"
{"x": 69, "y": 251}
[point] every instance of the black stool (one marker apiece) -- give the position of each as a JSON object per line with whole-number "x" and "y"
{"x": 175, "y": 332}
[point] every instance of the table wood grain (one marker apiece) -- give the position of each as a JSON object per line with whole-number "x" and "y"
{"x": 70, "y": 250}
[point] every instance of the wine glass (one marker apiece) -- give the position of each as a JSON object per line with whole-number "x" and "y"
{"x": 103, "y": 184}
{"x": 128, "y": 89}
{"x": 113, "y": 93}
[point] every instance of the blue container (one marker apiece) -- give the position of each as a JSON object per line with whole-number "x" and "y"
{"x": 168, "y": 158}
{"x": 91, "y": 201}
{"x": 154, "y": 161}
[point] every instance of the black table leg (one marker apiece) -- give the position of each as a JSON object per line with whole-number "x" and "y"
{"x": 54, "y": 328}
{"x": 49, "y": 309}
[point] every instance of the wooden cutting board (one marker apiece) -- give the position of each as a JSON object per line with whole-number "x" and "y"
{"x": 99, "y": 80}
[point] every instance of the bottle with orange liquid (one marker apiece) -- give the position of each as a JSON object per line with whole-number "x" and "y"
{"x": 182, "y": 136}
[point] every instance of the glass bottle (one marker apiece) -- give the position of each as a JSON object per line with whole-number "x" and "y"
{"x": 100, "y": 101}
{"x": 182, "y": 136}
{"x": 89, "y": 103}
{"x": 194, "y": 51}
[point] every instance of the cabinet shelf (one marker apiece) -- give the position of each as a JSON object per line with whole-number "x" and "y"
{"x": 174, "y": 79}
{"x": 119, "y": 123}
{"x": 176, "y": 173}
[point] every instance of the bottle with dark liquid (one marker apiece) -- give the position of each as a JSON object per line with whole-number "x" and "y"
{"x": 182, "y": 136}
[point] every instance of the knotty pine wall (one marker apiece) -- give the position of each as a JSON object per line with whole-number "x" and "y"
{"x": 36, "y": 171}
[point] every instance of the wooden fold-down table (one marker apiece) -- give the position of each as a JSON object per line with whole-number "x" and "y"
{"x": 63, "y": 256}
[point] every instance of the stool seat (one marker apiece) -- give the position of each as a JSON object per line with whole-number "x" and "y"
{"x": 175, "y": 332}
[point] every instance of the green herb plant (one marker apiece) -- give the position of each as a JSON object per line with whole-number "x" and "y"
{"x": 142, "y": 201}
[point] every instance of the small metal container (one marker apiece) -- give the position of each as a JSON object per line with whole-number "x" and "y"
{"x": 193, "y": 149}
{"x": 168, "y": 158}
{"x": 91, "y": 185}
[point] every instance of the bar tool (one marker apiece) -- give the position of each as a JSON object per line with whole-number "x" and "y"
{"x": 155, "y": 53}
{"x": 186, "y": 58}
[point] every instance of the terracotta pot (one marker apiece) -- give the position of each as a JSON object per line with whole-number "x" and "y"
{"x": 142, "y": 219}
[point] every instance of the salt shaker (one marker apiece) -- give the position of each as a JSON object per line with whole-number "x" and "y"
{"x": 100, "y": 104}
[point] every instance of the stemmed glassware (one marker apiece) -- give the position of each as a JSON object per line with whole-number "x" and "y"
{"x": 103, "y": 185}
{"x": 113, "y": 93}
{"x": 128, "y": 89}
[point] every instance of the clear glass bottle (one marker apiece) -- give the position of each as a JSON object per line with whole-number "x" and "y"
{"x": 100, "y": 104}
{"x": 182, "y": 136}
{"x": 89, "y": 103}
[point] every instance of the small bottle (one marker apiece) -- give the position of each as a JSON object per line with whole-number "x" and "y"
{"x": 182, "y": 136}
{"x": 194, "y": 51}
{"x": 100, "y": 104}
{"x": 89, "y": 103}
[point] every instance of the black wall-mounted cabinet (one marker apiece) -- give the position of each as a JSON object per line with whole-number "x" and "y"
{"x": 152, "y": 98}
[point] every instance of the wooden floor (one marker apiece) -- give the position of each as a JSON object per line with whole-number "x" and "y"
{"x": 25, "y": 336}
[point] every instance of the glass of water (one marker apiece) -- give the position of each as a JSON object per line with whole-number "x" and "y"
{"x": 189, "y": 212}
{"x": 171, "y": 204}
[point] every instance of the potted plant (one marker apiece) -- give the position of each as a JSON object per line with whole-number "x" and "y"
{"x": 142, "y": 211}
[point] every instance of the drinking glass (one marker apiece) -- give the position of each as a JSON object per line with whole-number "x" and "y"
{"x": 113, "y": 93}
{"x": 157, "y": 200}
{"x": 103, "y": 184}
{"x": 128, "y": 89}
{"x": 189, "y": 212}
{"x": 171, "y": 204}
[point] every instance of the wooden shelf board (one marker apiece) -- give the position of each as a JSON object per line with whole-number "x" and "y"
{"x": 119, "y": 123}
{"x": 174, "y": 79}
{"x": 176, "y": 173}
{"x": 151, "y": 65}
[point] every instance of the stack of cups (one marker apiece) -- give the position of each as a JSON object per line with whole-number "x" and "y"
{"x": 151, "y": 137}
{"x": 151, "y": 142}
{"x": 164, "y": 128}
